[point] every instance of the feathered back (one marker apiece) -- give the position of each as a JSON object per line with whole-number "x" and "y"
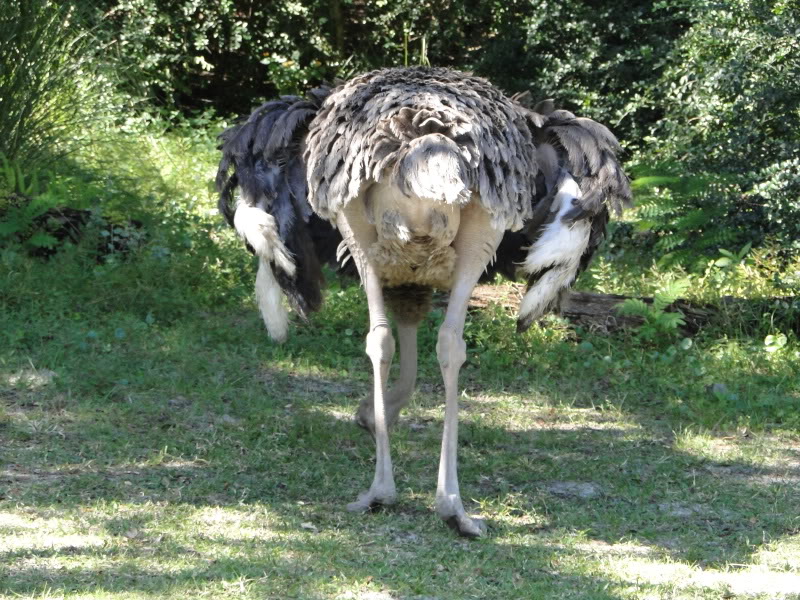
{"x": 588, "y": 150}
{"x": 409, "y": 122}
{"x": 265, "y": 152}
{"x": 472, "y": 135}
{"x": 546, "y": 175}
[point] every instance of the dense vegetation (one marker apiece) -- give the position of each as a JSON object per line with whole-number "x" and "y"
{"x": 110, "y": 109}
{"x": 156, "y": 444}
{"x": 703, "y": 94}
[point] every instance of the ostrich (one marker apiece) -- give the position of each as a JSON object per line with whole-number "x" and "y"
{"x": 428, "y": 178}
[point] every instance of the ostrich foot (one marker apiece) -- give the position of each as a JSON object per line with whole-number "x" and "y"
{"x": 450, "y": 509}
{"x": 466, "y": 526}
{"x": 396, "y": 399}
{"x": 376, "y": 495}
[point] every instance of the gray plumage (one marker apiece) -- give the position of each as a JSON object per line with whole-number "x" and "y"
{"x": 369, "y": 125}
{"x": 427, "y": 178}
{"x": 379, "y": 122}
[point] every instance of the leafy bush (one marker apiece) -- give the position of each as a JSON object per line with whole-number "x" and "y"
{"x": 598, "y": 56}
{"x": 731, "y": 101}
{"x": 227, "y": 53}
{"x": 52, "y": 86}
{"x": 56, "y": 98}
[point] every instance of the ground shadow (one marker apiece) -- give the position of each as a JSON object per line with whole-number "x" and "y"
{"x": 283, "y": 440}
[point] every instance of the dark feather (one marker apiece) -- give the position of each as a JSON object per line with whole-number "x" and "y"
{"x": 588, "y": 151}
{"x": 265, "y": 129}
{"x": 584, "y": 144}
{"x": 545, "y": 107}
{"x": 596, "y": 237}
{"x": 286, "y": 127}
{"x": 262, "y": 157}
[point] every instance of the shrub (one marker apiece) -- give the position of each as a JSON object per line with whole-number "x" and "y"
{"x": 52, "y": 86}
{"x": 731, "y": 98}
{"x": 597, "y": 56}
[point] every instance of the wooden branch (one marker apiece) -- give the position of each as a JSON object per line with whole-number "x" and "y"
{"x": 599, "y": 311}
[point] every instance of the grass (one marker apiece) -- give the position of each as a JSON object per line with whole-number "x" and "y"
{"x": 155, "y": 444}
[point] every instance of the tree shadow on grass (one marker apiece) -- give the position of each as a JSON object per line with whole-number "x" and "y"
{"x": 645, "y": 487}
{"x": 282, "y": 441}
{"x": 348, "y": 560}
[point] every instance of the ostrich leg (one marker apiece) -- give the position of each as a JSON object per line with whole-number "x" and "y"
{"x": 475, "y": 245}
{"x": 400, "y": 393}
{"x": 359, "y": 235}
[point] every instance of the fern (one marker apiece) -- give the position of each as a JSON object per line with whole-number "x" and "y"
{"x": 634, "y": 307}
{"x": 669, "y": 293}
{"x": 652, "y": 207}
{"x": 13, "y": 180}
{"x": 717, "y": 238}
{"x": 683, "y": 257}
{"x": 694, "y": 220}
{"x": 19, "y": 220}
{"x": 40, "y": 239}
{"x": 669, "y": 242}
{"x": 685, "y": 215}
{"x": 21, "y": 204}
{"x": 657, "y": 322}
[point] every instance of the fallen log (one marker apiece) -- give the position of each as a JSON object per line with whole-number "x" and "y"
{"x": 599, "y": 312}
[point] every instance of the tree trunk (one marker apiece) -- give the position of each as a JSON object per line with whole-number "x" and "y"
{"x": 337, "y": 20}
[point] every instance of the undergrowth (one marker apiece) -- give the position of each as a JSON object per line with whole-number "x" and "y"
{"x": 159, "y": 445}
{"x": 180, "y": 266}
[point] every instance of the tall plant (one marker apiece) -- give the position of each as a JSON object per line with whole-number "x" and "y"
{"x": 51, "y": 87}
{"x": 731, "y": 101}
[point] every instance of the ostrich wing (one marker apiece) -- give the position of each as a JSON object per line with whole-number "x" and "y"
{"x": 579, "y": 182}
{"x": 262, "y": 156}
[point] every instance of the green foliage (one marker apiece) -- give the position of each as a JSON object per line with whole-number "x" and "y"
{"x": 21, "y": 205}
{"x": 730, "y": 259}
{"x": 775, "y": 343}
{"x": 197, "y": 51}
{"x": 658, "y": 324}
{"x": 703, "y": 94}
{"x": 14, "y": 181}
{"x": 597, "y": 58}
{"x": 19, "y": 224}
{"x": 52, "y": 85}
{"x": 57, "y": 97}
{"x": 152, "y": 242}
{"x": 731, "y": 101}
{"x": 676, "y": 218}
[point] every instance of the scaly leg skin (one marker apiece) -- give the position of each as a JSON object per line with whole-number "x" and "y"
{"x": 400, "y": 393}
{"x": 475, "y": 246}
{"x": 359, "y": 235}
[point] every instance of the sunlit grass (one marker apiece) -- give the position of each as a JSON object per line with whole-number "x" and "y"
{"x": 157, "y": 445}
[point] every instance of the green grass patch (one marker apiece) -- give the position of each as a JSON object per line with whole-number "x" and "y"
{"x": 156, "y": 444}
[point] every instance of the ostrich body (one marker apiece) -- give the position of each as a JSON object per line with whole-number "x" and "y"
{"x": 431, "y": 178}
